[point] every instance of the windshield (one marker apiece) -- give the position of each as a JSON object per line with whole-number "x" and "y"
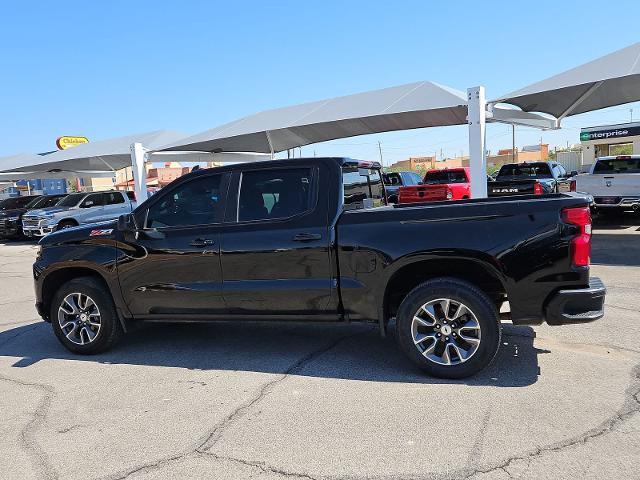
{"x": 44, "y": 201}
{"x": 71, "y": 200}
{"x": 526, "y": 170}
{"x": 15, "y": 202}
{"x": 445, "y": 176}
{"x": 618, "y": 165}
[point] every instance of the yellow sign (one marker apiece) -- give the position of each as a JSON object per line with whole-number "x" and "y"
{"x": 63, "y": 143}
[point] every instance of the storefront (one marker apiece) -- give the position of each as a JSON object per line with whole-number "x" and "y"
{"x": 622, "y": 139}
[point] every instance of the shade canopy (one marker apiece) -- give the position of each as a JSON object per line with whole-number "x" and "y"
{"x": 415, "y": 105}
{"x": 605, "y": 82}
{"x": 100, "y": 156}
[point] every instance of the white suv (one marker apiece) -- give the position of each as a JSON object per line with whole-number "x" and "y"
{"x": 77, "y": 209}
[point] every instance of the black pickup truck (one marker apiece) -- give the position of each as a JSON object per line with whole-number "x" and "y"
{"x": 313, "y": 240}
{"x": 536, "y": 178}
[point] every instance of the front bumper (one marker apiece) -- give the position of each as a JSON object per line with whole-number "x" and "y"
{"x": 577, "y": 306}
{"x": 38, "y": 228}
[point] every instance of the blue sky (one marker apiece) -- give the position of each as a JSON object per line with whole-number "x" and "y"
{"x": 104, "y": 69}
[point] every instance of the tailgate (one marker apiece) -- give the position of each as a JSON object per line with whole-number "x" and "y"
{"x": 511, "y": 187}
{"x": 609, "y": 185}
{"x": 422, "y": 193}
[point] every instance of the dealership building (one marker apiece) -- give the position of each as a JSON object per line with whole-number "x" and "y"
{"x": 622, "y": 139}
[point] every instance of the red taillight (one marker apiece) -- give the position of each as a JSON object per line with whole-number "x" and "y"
{"x": 581, "y": 243}
{"x": 449, "y": 194}
{"x": 572, "y": 185}
{"x": 537, "y": 189}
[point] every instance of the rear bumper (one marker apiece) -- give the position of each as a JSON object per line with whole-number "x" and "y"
{"x": 577, "y": 306}
{"x": 617, "y": 202}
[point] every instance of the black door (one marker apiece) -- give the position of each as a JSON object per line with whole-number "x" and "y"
{"x": 275, "y": 245}
{"x": 173, "y": 267}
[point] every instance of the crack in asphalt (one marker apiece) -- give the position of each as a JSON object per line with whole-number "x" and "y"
{"x": 208, "y": 441}
{"x": 27, "y": 434}
{"x": 262, "y": 466}
{"x": 629, "y": 409}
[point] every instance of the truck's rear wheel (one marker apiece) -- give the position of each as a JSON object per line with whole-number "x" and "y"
{"x": 449, "y": 328}
{"x": 84, "y": 317}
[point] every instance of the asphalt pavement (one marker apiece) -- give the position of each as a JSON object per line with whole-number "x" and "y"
{"x": 280, "y": 401}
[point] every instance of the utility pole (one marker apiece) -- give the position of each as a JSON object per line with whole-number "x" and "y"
{"x": 513, "y": 143}
{"x": 380, "y": 150}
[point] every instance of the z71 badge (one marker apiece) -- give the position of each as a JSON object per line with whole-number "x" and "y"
{"x": 101, "y": 233}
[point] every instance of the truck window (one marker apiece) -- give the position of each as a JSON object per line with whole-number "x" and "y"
{"x": 272, "y": 194}
{"x": 113, "y": 198}
{"x": 193, "y": 203}
{"x": 358, "y": 187}
{"x": 617, "y": 165}
{"x": 71, "y": 200}
{"x": 526, "y": 170}
{"x": 93, "y": 200}
{"x": 441, "y": 177}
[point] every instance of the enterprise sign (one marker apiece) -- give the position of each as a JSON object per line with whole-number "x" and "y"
{"x": 609, "y": 132}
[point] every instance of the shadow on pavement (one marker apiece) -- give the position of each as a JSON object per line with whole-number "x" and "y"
{"x": 353, "y": 352}
{"x": 612, "y": 249}
{"x": 616, "y": 221}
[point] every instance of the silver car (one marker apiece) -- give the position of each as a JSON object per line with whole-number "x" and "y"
{"x": 77, "y": 209}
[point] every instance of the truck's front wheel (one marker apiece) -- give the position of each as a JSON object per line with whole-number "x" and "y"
{"x": 84, "y": 317}
{"x": 449, "y": 328}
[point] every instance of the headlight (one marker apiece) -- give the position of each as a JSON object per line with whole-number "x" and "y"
{"x": 12, "y": 219}
{"x": 47, "y": 215}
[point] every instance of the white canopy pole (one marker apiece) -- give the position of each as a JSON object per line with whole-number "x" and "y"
{"x": 476, "y": 118}
{"x": 139, "y": 172}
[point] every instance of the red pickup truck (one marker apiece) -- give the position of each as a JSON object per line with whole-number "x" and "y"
{"x": 438, "y": 185}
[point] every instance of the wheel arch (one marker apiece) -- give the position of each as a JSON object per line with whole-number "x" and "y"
{"x": 409, "y": 274}
{"x": 68, "y": 219}
{"x": 54, "y": 280}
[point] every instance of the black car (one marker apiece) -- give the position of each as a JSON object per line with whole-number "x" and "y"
{"x": 537, "y": 178}
{"x": 11, "y": 213}
{"x": 312, "y": 240}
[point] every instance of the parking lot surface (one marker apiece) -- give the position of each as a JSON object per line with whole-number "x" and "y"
{"x": 278, "y": 401}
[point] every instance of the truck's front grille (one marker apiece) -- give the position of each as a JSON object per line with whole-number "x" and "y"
{"x": 31, "y": 222}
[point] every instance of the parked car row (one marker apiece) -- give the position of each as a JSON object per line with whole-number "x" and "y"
{"x": 39, "y": 215}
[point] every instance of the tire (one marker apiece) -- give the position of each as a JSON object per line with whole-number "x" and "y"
{"x": 66, "y": 224}
{"x": 78, "y": 338}
{"x": 475, "y": 331}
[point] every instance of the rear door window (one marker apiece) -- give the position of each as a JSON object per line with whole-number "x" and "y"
{"x": 275, "y": 194}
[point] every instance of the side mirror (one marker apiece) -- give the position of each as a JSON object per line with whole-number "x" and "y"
{"x": 127, "y": 223}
